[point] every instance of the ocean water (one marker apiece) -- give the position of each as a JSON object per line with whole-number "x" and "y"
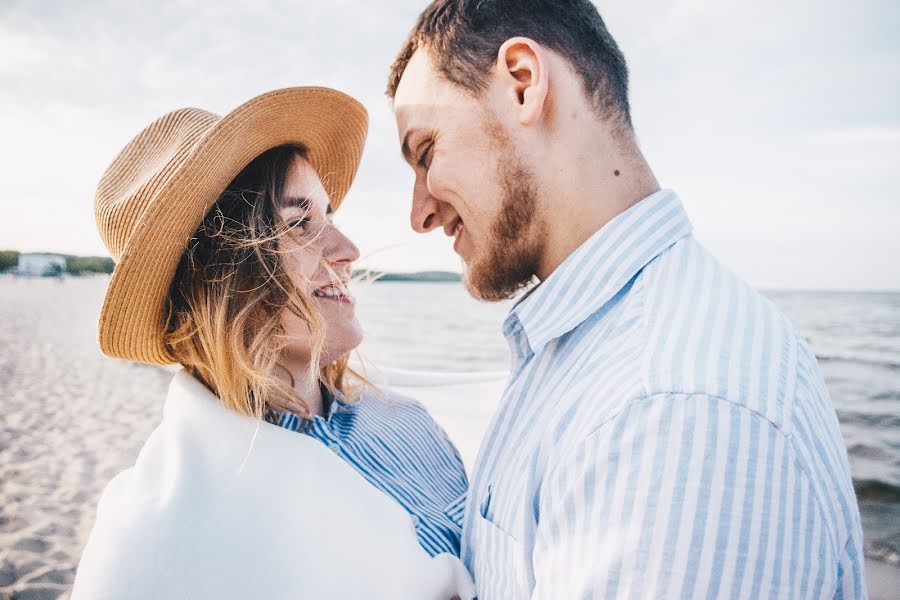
{"x": 856, "y": 337}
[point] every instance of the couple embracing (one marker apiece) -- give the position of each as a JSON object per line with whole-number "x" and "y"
{"x": 664, "y": 431}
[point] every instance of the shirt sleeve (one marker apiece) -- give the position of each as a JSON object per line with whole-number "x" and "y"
{"x": 681, "y": 496}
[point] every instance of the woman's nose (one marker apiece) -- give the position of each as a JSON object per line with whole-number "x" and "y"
{"x": 341, "y": 250}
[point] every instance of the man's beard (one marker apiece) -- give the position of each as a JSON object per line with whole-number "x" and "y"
{"x": 511, "y": 254}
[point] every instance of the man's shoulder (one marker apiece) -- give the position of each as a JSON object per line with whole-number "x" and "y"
{"x": 686, "y": 325}
{"x": 707, "y": 331}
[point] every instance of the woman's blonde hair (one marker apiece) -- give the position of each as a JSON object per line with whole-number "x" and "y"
{"x": 230, "y": 291}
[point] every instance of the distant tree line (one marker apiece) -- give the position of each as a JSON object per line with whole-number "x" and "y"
{"x": 75, "y": 265}
{"x": 9, "y": 259}
{"x": 89, "y": 264}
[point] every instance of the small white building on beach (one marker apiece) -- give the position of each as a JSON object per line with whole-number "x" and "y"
{"x": 41, "y": 264}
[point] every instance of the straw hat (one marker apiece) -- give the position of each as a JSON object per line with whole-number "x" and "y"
{"x": 156, "y": 192}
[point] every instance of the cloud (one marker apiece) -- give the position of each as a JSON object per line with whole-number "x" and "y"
{"x": 776, "y": 122}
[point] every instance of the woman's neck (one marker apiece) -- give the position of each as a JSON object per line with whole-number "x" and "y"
{"x": 312, "y": 397}
{"x": 305, "y": 389}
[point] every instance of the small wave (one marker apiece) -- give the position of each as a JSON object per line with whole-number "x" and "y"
{"x": 883, "y": 421}
{"x": 859, "y": 360}
{"x": 885, "y": 550}
{"x": 887, "y": 396}
{"x": 874, "y": 490}
{"x": 866, "y": 451}
{"x": 881, "y": 531}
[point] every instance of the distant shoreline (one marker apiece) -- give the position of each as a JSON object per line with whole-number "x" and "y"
{"x": 79, "y": 265}
{"x": 14, "y": 262}
{"x": 421, "y": 276}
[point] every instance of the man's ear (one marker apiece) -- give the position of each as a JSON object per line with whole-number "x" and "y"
{"x": 523, "y": 68}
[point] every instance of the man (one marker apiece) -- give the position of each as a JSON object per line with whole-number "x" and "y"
{"x": 665, "y": 432}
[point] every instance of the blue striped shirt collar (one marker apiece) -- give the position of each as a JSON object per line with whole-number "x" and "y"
{"x": 598, "y": 269}
{"x": 335, "y": 401}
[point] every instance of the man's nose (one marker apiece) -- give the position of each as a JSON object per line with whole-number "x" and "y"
{"x": 426, "y": 209}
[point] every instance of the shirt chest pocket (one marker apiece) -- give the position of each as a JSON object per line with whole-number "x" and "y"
{"x": 497, "y": 566}
{"x": 501, "y": 506}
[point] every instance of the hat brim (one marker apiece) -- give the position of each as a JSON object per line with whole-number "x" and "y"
{"x": 330, "y": 124}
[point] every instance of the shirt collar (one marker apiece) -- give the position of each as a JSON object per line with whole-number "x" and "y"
{"x": 599, "y": 269}
{"x": 335, "y": 401}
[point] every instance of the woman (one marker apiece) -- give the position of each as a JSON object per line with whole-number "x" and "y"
{"x": 277, "y": 472}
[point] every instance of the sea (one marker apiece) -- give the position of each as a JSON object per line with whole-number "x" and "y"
{"x": 855, "y": 336}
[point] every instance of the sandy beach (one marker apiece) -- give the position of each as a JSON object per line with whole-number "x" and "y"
{"x": 72, "y": 419}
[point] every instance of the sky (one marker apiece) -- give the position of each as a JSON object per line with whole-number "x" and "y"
{"x": 778, "y": 123}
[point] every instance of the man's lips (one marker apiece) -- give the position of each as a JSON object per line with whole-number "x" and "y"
{"x": 451, "y": 226}
{"x": 454, "y": 229}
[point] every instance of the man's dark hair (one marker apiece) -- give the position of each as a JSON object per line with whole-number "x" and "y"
{"x": 464, "y": 36}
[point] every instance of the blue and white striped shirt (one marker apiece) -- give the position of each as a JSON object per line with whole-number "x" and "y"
{"x": 395, "y": 444}
{"x": 664, "y": 433}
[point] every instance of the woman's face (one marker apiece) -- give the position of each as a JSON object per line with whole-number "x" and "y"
{"x": 319, "y": 260}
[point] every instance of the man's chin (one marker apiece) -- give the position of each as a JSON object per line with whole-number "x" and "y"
{"x": 477, "y": 279}
{"x": 474, "y": 282}
{"x": 489, "y": 283}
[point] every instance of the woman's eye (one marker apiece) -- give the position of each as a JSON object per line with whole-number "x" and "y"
{"x": 299, "y": 223}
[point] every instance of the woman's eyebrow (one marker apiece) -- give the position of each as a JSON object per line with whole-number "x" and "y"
{"x": 301, "y": 202}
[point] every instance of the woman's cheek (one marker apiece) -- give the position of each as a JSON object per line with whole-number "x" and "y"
{"x": 302, "y": 264}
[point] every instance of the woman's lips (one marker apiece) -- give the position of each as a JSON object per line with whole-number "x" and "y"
{"x": 333, "y": 294}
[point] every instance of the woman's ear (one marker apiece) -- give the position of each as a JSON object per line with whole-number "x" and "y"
{"x": 523, "y": 70}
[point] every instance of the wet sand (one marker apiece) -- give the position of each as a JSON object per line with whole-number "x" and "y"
{"x": 73, "y": 418}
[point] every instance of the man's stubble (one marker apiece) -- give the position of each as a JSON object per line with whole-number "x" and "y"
{"x": 511, "y": 255}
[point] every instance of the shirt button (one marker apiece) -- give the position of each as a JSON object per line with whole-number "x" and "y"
{"x": 416, "y": 521}
{"x": 334, "y": 446}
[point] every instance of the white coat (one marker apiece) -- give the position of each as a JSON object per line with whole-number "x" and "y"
{"x": 222, "y": 506}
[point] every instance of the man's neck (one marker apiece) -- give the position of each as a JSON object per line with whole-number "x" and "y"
{"x": 591, "y": 187}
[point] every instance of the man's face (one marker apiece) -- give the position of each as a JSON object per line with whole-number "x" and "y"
{"x": 470, "y": 181}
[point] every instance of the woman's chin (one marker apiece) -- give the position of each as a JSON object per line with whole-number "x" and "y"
{"x": 341, "y": 343}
